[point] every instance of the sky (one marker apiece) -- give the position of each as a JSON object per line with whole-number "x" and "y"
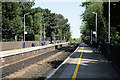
{"x": 69, "y": 9}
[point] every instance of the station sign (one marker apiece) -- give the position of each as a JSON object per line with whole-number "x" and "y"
{"x": 94, "y": 32}
{"x": 25, "y": 32}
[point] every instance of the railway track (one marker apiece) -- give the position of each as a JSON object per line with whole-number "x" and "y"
{"x": 40, "y": 66}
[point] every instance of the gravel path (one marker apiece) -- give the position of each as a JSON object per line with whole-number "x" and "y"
{"x": 41, "y": 69}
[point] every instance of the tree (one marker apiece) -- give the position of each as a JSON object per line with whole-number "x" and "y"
{"x": 89, "y": 20}
{"x": 13, "y": 20}
{"x": 12, "y": 16}
{"x": 115, "y": 18}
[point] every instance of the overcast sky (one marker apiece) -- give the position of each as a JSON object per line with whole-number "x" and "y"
{"x": 69, "y": 9}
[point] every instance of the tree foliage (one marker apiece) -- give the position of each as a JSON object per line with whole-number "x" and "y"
{"x": 101, "y": 9}
{"x": 13, "y": 19}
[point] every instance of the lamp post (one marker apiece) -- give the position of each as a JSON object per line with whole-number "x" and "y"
{"x": 64, "y": 36}
{"x": 109, "y": 52}
{"x": 91, "y": 35}
{"x": 24, "y": 28}
{"x": 44, "y": 33}
{"x": 96, "y": 25}
{"x": 40, "y": 27}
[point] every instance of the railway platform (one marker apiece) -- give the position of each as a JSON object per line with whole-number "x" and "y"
{"x": 13, "y": 60}
{"x": 83, "y": 64}
{"x": 23, "y": 50}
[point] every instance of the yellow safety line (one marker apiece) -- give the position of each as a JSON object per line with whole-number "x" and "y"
{"x": 77, "y": 66}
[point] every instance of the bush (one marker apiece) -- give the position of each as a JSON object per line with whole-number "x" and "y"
{"x": 37, "y": 38}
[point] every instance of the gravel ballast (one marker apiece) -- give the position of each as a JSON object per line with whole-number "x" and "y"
{"x": 41, "y": 69}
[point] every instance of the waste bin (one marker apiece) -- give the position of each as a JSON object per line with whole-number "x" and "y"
{"x": 34, "y": 44}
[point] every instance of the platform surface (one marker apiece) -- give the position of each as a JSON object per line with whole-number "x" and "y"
{"x": 18, "y": 51}
{"x": 83, "y": 64}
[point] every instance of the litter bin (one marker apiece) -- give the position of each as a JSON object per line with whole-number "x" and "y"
{"x": 34, "y": 44}
{"x": 42, "y": 43}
